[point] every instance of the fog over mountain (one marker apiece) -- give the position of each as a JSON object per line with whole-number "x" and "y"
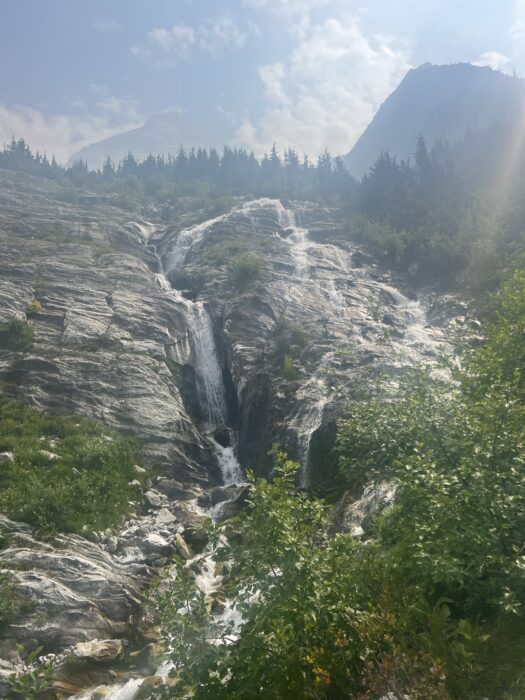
{"x": 161, "y": 134}
{"x": 441, "y": 103}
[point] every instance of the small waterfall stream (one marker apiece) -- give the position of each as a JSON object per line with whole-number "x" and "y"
{"x": 210, "y": 382}
{"x": 318, "y": 266}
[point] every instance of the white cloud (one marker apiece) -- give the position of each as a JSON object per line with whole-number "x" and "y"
{"x": 286, "y": 6}
{"x": 517, "y": 30}
{"x": 164, "y": 47}
{"x": 177, "y": 41}
{"x": 62, "y": 135}
{"x": 492, "y": 59}
{"x": 296, "y": 14}
{"x": 106, "y": 26}
{"x": 517, "y": 33}
{"x": 273, "y": 76}
{"x": 334, "y": 81}
{"x": 219, "y": 34}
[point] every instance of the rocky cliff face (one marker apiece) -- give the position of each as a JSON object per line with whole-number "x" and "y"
{"x": 298, "y": 342}
{"x": 142, "y": 327}
{"x": 105, "y": 335}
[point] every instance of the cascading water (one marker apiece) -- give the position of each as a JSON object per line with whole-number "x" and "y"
{"x": 317, "y": 266}
{"x": 210, "y": 383}
{"x": 297, "y": 240}
{"x": 308, "y": 420}
{"x": 209, "y": 374}
{"x": 212, "y": 393}
{"x": 185, "y": 240}
{"x": 326, "y": 290}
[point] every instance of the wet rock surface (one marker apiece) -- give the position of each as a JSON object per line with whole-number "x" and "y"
{"x": 106, "y": 335}
{"x": 115, "y": 341}
{"x": 74, "y": 589}
{"x": 321, "y": 319}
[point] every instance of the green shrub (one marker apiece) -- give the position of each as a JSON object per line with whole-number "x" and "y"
{"x": 222, "y": 252}
{"x": 8, "y": 600}
{"x": 68, "y": 473}
{"x": 35, "y": 307}
{"x": 16, "y": 335}
{"x": 35, "y": 678}
{"x": 290, "y": 340}
{"x": 245, "y": 271}
{"x": 290, "y": 372}
{"x": 319, "y": 618}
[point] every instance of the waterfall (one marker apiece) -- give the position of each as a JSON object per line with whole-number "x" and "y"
{"x": 320, "y": 268}
{"x": 297, "y": 240}
{"x": 209, "y": 376}
{"x": 210, "y": 383}
{"x": 212, "y": 393}
{"x": 308, "y": 420}
{"x": 186, "y": 239}
{"x": 313, "y": 396}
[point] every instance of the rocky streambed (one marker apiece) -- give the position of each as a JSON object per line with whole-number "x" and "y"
{"x": 141, "y": 327}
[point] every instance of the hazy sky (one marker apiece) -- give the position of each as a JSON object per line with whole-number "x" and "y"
{"x": 309, "y": 73}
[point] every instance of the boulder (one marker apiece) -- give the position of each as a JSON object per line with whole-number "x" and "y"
{"x": 182, "y": 548}
{"x": 99, "y": 650}
{"x": 153, "y": 499}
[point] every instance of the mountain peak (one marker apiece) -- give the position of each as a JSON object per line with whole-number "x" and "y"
{"x": 441, "y": 102}
{"x": 161, "y": 134}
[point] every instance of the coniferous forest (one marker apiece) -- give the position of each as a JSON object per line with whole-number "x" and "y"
{"x": 419, "y": 216}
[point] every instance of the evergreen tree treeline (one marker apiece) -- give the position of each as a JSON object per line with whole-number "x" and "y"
{"x": 234, "y": 171}
{"x": 400, "y": 193}
{"x": 416, "y": 216}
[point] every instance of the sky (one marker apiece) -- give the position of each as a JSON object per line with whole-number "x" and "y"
{"x": 303, "y": 73}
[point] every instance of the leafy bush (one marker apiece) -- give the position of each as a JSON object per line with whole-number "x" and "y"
{"x": 35, "y": 307}
{"x": 36, "y": 677}
{"x": 67, "y": 473}
{"x": 457, "y": 451}
{"x": 289, "y": 340}
{"x": 319, "y": 617}
{"x": 245, "y": 271}
{"x": 16, "y": 335}
{"x": 290, "y": 372}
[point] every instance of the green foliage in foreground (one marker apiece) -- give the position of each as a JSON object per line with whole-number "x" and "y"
{"x": 68, "y": 472}
{"x": 320, "y": 620}
{"x": 16, "y": 335}
{"x": 429, "y": 606}
{"x": 36, "y": 679}
{"x": 457, "y": 450}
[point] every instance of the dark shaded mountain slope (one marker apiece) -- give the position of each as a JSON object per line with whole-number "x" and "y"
{"x": 441, "y": 103}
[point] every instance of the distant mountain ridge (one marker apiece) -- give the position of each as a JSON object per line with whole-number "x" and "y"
{"x": 160, "y": 135}
{"x": 442, "y": 103}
